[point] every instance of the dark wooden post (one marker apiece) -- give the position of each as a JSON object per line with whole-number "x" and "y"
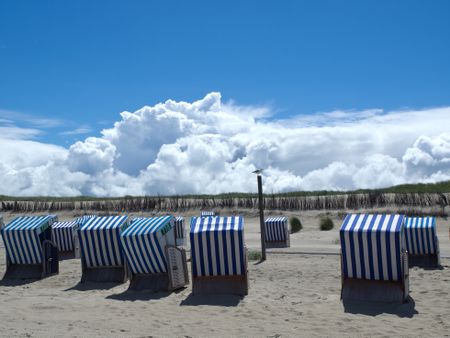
{"x": 261, "y": 218}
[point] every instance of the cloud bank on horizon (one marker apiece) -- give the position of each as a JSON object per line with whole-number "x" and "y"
{"x": 209, "y": 147}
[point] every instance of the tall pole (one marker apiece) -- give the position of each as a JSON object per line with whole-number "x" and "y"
{"x": 261, "y": 218}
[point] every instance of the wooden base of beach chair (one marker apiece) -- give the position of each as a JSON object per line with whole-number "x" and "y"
{"x": 220, "y": 285}
{"x": 23, "y": 271}
{"x": 271, "y": 245}
{"x": 116, "y": 274}
{"x": 425, "y": 261}
{"x": 150, "y": 282}
{"x": 374, "y": 291}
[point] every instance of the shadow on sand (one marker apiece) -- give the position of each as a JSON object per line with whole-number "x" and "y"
{"x": 88, "y": 286}
{"x": 133, "y": 295}
{"x": 405, "y": 310}
{"x": 259, "y": 262}
{"x": 426, "y": 267}
{"x": 17, "y": 282}
{"x": 213, "y": 300}
{"x": 17, "y": 275}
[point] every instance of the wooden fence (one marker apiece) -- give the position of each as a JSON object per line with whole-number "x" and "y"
{"x": 271, "y": 202}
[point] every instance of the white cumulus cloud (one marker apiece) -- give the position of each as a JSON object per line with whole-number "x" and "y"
{"x": 208, "y": 146}
{"x": 91, "y": 156}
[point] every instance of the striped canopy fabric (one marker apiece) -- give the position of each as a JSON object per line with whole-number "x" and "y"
{"x": 100, "y": 241}
{"x": 421, "y": 238}
{"x": 83, "y": 219}
{"x": 144, "y": 243}
{"x": 276, "y": 229}
{"x": 217, "y": 246}
{"x": 179, "y": 227}
{"x": 23, "y": 238}
{"x": 62, "y": 235}
{"x": 207, "y": 213}
{"x": 371, "y": 246}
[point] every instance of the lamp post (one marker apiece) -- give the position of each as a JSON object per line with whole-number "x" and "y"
{"x": 261, "y": 214}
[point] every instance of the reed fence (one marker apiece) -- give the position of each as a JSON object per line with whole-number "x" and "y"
{"x": 271, "y": 202}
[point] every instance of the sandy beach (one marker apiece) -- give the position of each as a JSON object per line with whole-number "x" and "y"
{"x": 296, "y": 292}
{"x": 120, "y": 120}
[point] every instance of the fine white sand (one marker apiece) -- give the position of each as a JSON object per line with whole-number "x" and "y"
{"x": 296, "y": 292}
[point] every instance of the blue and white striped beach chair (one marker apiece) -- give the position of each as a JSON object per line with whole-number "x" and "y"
{"x": 101, "y": 251}
{"x": 422, "y": 241}
{"x": 374, "y": 259}
{"x": 150, "y": 251}
{"x": 277, "y": 232}
{"x": 180, "y": 231}
{"x": 83, "y": 219}
{"x": 30, "y": 252}
{"x": 76, "y": 241}
{"x": 63, "y": 234}
{"x": 218, "y": 255}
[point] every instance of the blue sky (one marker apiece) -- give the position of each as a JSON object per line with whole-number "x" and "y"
{"x": 324, "y": 95}
{"x": 83, "y": 62}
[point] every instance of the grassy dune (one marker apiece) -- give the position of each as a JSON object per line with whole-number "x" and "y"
{"x": 410, "y": 197}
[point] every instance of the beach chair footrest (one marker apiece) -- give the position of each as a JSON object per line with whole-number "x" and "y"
{"x": 373, "y": 291}
{"x": 150, "y": 282}
{"x": 210, "y": 285}
{"x": 116, "y": 274}
{"x": 280, "y": 244}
